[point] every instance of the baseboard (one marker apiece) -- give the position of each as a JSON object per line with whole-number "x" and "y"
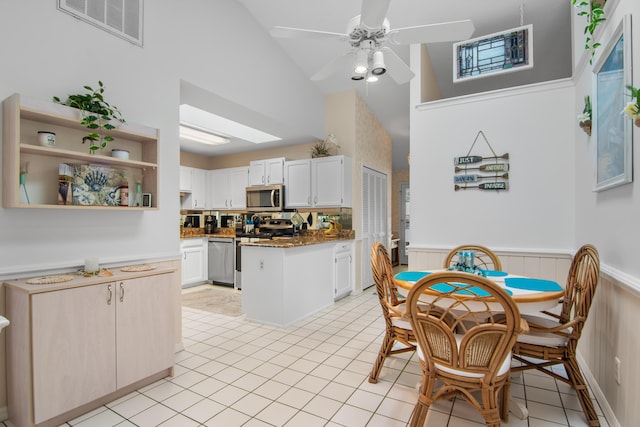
{"x": 597, "y": 392}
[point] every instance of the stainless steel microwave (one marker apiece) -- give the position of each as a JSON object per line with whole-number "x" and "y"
{"x": 265, "y": 198}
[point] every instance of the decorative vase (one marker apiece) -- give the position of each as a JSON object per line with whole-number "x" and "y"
{"x": 586, "y": 126}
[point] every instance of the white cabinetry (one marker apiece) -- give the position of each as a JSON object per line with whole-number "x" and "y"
{"x": 23, "y": 117}
{"x": 194, "y": 261}
{"x": 228, "y": 188}
{"x": 321, "y": 182}
{"x": 185, "y": 179}
{"x": 193, "y": 185}
{"x": 343, "y": 270}
{"x": 70, "y": 347}
{"x": 297, "y": 181}
{"x": 266, "y": 172}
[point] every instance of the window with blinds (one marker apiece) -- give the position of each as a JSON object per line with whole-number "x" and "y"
{"x": 122, "y": 18}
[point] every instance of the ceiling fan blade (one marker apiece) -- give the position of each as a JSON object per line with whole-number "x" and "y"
{"x": 396, "y": 68}
{"x": 299, "y": 33}
{"x": 433, "y": 33}
{"x": 340, "y": 64}
{"x": 373, "y": 13}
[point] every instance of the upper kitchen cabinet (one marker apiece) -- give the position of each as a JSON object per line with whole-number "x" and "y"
{"x": 192, "y": 188}
{"x": 227, "y": 188}
{"x": 31, "y": 171}
{"x": 266, "y": 172}
{"x": 185, "y": 179}
{"x": 321, "y": 182}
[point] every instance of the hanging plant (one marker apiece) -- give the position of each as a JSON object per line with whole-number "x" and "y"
{"x": 594, "y": 12}
{"x": 584, "y": 119}
{"x": 97, "y": 115}
{"x": 632, "y": 110}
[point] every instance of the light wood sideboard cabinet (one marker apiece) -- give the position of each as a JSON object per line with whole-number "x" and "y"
{"x": 72, "y": 349}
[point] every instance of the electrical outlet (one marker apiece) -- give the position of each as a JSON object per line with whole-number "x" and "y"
{"x": 617, "y": 368}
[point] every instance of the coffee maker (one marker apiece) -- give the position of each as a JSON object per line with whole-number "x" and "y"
{"x": 210, "y": 224}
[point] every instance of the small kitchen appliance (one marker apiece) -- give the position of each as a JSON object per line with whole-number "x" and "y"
{"x": 265, "y": 198}
{"x": 210, "y": 224}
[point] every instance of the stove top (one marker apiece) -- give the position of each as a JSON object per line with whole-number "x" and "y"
{"x": 260, "y": 235}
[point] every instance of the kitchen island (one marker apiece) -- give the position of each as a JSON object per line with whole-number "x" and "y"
{"x": 286, "y": 280}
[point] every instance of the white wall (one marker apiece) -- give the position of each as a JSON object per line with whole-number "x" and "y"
{"x": 534, "y": 124}
{"x": 217, "y": 46}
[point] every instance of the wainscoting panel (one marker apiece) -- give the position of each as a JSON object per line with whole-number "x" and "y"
{"x": 543, "y": 265}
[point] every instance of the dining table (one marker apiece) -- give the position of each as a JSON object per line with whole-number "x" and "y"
{"x": 530, "y": 294}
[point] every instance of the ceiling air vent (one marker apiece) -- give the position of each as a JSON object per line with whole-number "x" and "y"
{"x": 503, "y": 52}
{"x": 120, "y": 17}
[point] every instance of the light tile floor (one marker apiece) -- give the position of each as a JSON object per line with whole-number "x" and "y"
{"x": 314, "y": 373}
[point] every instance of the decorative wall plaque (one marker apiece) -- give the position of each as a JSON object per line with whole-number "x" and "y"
{"x": 481, "y": 173}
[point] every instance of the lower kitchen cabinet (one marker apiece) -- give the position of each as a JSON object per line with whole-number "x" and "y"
{"x": 70, "y": 348}
{"x": 343, "y": 270}
{"x": 194, "y": 261}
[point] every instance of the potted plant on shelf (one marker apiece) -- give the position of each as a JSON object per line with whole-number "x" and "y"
{"x": 584, "y": 119}
{"x": 632, "y": 110}
{"x": 97, "y": 115}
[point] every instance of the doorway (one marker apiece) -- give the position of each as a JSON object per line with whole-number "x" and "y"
{"x": 405, "y": 223}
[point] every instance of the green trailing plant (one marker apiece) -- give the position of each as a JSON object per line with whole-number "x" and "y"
{"x": 594, "y": 12}
{"x": 97, "y": 115}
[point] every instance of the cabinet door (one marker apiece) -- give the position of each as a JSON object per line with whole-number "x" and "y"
{"x": 297, "y": 181}
{"x": 185, "y": 178}
{"x": 193, "y": 264}
{"x": 257, "y": 172}
{"x": 238, "y": 183}
{"x": 274, "y": 171}
{"x": 144, "y": 325}
{"x": 327, "y": 181}
{"x": 198, "y": 188}
{"x": 219, "y": 189}
{"x": 343, "y": 273}
{"x": 73, "y": 335}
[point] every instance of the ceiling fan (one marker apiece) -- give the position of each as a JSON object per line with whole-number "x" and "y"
{"x": 368, "y": 35}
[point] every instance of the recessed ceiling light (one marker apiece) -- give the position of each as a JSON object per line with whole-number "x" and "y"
{"x": 203, "y": 137}
{"x": 203, "y": 120}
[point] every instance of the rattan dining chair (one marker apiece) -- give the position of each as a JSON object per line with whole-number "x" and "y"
{"x": 553, "y": 338}
{"x": 470, "y": 354}
{"x": 397, "y": 329}
{"x": 484, "y": 257}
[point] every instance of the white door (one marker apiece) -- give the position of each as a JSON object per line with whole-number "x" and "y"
{"x": 374, "y": 218}
{"x": 238, "y": 183}
{"x": 297, "y": 181}
{"x": 405, "y": 223}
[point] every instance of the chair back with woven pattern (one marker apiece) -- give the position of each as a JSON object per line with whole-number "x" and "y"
{"x": 454, "y": 316}
{"x": 484, "y": 257}
{"x": 383, "y": 277}
{"x": 580, "y": 288}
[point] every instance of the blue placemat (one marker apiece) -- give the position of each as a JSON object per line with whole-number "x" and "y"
{"x": 411, "y": 276}
{"x": 444, "y": 287}
{"x": 532, "y": 284}
{"x": 494, "y": 273}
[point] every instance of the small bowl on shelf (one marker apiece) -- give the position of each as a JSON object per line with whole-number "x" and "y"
{"x": 120, "y": 154}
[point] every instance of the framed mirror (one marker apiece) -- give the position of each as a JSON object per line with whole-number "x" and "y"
{"x": 613, "y": 132}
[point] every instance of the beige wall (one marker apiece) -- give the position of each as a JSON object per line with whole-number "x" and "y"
{"x": 399, "y": 177}
{"x": 291, "y": 152}
{"x": 429, "y": 89}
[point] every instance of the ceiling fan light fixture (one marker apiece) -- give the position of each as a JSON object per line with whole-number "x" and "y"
{"x": 372, "y": 78}
{"x": 377, "y": 63}
{"x": 362, "y": 60}
{"x": 357, "y": 77}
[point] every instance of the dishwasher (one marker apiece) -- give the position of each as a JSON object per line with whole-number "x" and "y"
{"x": 221, "y": 260}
